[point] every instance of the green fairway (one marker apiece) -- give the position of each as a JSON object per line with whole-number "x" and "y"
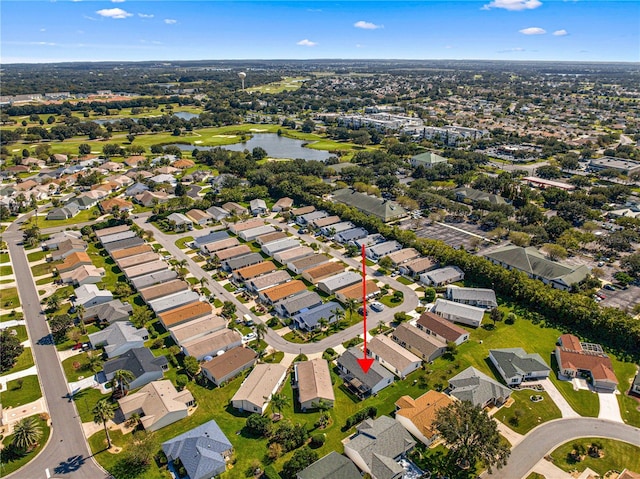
{"x": 286, "y": 84}
{"x": 616, "y": 456}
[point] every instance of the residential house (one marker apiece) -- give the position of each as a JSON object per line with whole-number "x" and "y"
{"x": 354, "y": 292}
{"x": 144, "y": 269}
{"x": 104, "y": 232}
{"x": 163, "y": 289}
{"x": 331, "y": 466}
{"x": 339, "y": 281}
{"x": 172, "y": 301}
{"x": 118, "y": 338}
{"x": 469, "y": 195}
{"x": 326, "y": 270}
{"x": 57, "y": 238}
{"x": 258, "y": 207}
{"x": 133, "y": 251}
{"x": 325, "y": 221}
{"x": 181, "y": 221}
{"x": 212, "y": 344}
{"x": 283, "y": 257}
{"x": 402, "y": 256}
{"x": 269, "y": 237}
{"x": 267, "y": 281}
{"x": 363, "y": 385}
{"x": 184, "y": 313}
{"x": 418, "y": 415}
{"x": 242, "y": 261}
{"x": 73, "y": 261}
{"x": 234, "y": 208}
{"x": 141, "y": 362}
{"x": 308, "y": 218}
{"x": 379, "y": 250}
{"x": 393, "y": 356}
{"x": 299, "y": 266}
{"x": 197, "y": 328}
{"x": 109, "y": 312}
{"x": 283, "y": 204}
{"x": 217, "y": 213}
{"x": 350, "y": 235}
{"x": 418, "y": 342}
{"x": 203, "y": 451}
{"x": 115, "y": 237}
{"x": 240, "y": 226}
{"x": 280, "y": 245}
{"x": 309, "y": 319}
{"x": 150, "y": 198}
{"x": 478, "y": 297}
{"x": 515, "y": 365}
{"x": 89, "y": 295}
{"x": 158, "y": 404}
{"x": 107, "y": 206}
{"x": 183, "y": 163}
{"x": 252, "y": 233}
{"x": 478, "y": 388}
{"x": 258, "y": 387}
{"x": 199, "y": 217}
{"x": 292, "y": 305}
{"x": 369, "y": 240}
{"x": 442, "y": 276}
{"x": 312, "y": 379}
{"x": 123, "y": 244}
{"x": 154, "y": 278}
{"x": 303, "y": 210}
{"x": 212, "y": 237}
{"x": 331, "y": 230}
{"x": 133, "y": 161}
{"x": 386, "y": 210}
{"x": 136, "y": 189}
{"x": 378, "y": 446}
{"x": 458, "y": 312}
{"x": 220, "y": 245}
{"x": 233, "y": 252}
{"x": 135, "y": 260}
{"x": 537, "y": 266}
{"x": 256, "y": 270}
{"x": 164, "y": 178}
{"x": 441, "y": 329}
{"x": 83, "y": 274}
{"x": 427, "y": 160}
{"x": 635, "y": 385}
{"x": 228, "y": 365}
{"x": 282, "y": 291}
{"x": 575, "y": 357}
{"x": 64, "y": 213}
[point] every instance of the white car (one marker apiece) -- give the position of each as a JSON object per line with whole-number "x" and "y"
{"x": 376, "y": 306}
{"x": 249, "y": 337}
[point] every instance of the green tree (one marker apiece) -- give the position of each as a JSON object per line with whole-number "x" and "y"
{"x": 554, "y": 251}
{"x": 258, "y": 425}
{"x": 26, "y": 433}
{"x": 122, "y": 378}
{"x": 495, "y": 315}
{"x": 11, "y": 349}
{"x": 103, "y": 412}
{"x": 59, "y": 326}
{"x": 385, "y": 262}
{"x": 141, "y": 316}
{"x": 631, "y": 264}
{"x": 261, "y": 330}
{"x": 300, "y": 460}
{"x": 95, "y": 362}
{"x": 471, "y": 435}
{"x": 278, "y": 403}
{"x": 191, "y": 366}
{"x": 228, "y": 309}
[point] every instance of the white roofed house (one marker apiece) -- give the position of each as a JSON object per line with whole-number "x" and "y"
{"x": 313, "y": 381}
{"x": 281, "y": 245}
{"x": 442, "y": 276}
{"x": 393, "y": 356}
{"x": 89, "y": 295}
{"x": 379, "y": 250}
{"x": 479, "y": 297}
{"x": 339, "y": 281}
{"x": 181, "y": 221}
{"x": 258, "y": 207}
{"x": 458, "y": 312}
{"x": 258, "y": 387}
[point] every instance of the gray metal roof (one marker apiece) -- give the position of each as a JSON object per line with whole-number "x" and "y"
{"x": 310, "y": 317}
{"x": 201, "y": 450}
{"x": 442, "y": 275}
{"x": 210, "y": 237}
{"x": 154, "y": 278}
{"x": 242, "y": 261}
{"x": 471, "y": 294}
{"x": 171, "y": 301}
{"x": 122, "y": 244}
{"x": 350, "y": 235}
{"x": 339, "y": 281}
{"x": 458, "y": 309}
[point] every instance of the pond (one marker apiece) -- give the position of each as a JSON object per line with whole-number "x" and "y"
{"x": 185, "y": 115}
{"x": 275, "y": 146}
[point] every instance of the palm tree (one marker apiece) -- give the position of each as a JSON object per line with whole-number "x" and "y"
{"x": 123, "y": 377}
{"x": 261, "y": 330}
{"x": 80, "y": 310}
{"x": 323, "y": 322}
{"x": 278, "y": 402}
{"x": 203, "y": 281}
{"x": 338, "y": 314}
{"x": 26, "y": 433}
{"x": 351, "y": 307}
{"x": 95, "y": 362}
{"x": 103, "y": 412}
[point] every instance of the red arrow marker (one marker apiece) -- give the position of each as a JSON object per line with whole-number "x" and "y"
{"x": 365, "y": 362}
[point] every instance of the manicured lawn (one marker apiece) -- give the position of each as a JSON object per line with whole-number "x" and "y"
{"x": 533, "y": 413}
{"x": 535, "y": 475}
{"x": 585, "y": 403}
{"x": 11, "y": 460}
{"x": 182, "y": 242}
{"x": 21, "y": 332}
{"x": 44, "y": 268}
{"x": 274, "y": 358}
{"x": 101, "y": 259}
{"x": 76, "y": 366}
{"x": 11, "y": 317}
{"x": 9, "y": 298}
{"x": 37, "y": 256}
{"x": 5, "y": 271}
{"x": 86, "y": 400}
{"x": 405, "y": 281}
{"x": 42, "y": 281}
{"x": 390, "y": 301}
{"x": 24, "y": 361}
{"x": 4, "y": 257}
{"x": 617, "y": 456}
{"x": 82, "y": 217}
{"x": 629, "y": 406}
{"x": 17, "y": 395}
{"x": 286, "y": 84}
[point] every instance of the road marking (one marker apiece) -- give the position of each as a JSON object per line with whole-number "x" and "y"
{"x": 46, "y": 471}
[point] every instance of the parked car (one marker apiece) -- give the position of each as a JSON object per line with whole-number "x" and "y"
{"x": 610, "y": 287}
{"x": 249, "y": 337}
{"x": 376, "y": 306}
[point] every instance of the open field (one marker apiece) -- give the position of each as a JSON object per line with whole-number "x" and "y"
{"x": 286, "y": 84}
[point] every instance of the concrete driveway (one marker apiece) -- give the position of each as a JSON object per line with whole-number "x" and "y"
{"x": 609, "y": 407}
{"x": 565, "y": 409}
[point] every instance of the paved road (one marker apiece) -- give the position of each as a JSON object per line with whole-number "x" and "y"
{"x": 546, "y": 437}
{"x": 272, "y": 338}
{"x": 67, "y": 454}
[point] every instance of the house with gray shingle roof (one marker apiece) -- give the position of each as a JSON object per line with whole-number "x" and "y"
{"x": 478, "y": 388}
{"x": 386, "y": 210}
{"x": 442, "y": 276}
{"x": 378, "y": 446}
{"x": 203, "y": 451}
{"x": 331, "y": 466}
{"x": 141, "y": 362}
{"x": 364, "y": 385}
{"x": 516, "y": 365}
{"x": 119, "y": 338}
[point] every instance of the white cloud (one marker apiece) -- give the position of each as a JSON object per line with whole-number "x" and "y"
{"x": 367, "y": 25}
{"x": 307, "y": 43}
{"x": 170, "y": 21}
{"x": 513, "y": 5}
{"x": 533, "y": 31}
{"x": 43, "y": 29}
{"x": 145, "y": 15}
{"x": 511, "y": 50}
{"x": 561, "y": 33}
{"x": 117, "y": 1}
{"x": 114, "y": 13}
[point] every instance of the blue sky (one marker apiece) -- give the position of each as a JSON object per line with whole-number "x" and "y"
{"x": 66, "y": 30}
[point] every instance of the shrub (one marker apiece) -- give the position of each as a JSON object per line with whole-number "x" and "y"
{"x": 181, "y": 381}
{"x": 318, "y": 440}
{"x": 369, "y": 412}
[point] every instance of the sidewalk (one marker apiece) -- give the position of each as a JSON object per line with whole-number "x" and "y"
{"x": 32, "y": 371}
{"x": 12, "y": 323}
{"x": 550, "y": 471}
{"x": 14, "y": 414}
{"x": 510, "y": 435}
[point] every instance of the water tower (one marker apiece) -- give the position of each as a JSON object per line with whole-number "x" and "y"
{"x": 242, "y": 76}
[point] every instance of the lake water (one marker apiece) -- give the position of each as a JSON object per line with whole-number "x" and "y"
{"x": 185, "y": 115}
{"x": 275, "y": 146}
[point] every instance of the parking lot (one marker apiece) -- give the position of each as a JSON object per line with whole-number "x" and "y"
{"x": 454, "y": 234}
{"x": 625, "y": 299}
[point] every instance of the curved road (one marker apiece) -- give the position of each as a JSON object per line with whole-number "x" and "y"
{"x": 272, "y": 338}
{"x": 546, "y": 437}
{"x": 67, "y": 454}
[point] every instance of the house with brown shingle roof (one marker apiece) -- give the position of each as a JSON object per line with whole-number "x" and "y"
{"x": 575, "y": 357}
{"x": 163, "y": 289}
{"x": 74, "y": 260}
{"x": 418, "y": 342}
{"x": 197, "y": 328}
{"x": 269, "y": 237}
{"x": 123, "y": 205}
{"x": 83, "y": 274}
{"x": 355, "y": 292}
{"x": 133, "y": 161}
{"x": 418, "y": 415}
{"x": 212, "y": 344}
{"x": 25, "y": 185}
{"x": 149, "y": 197}
{"x": 271, "y": 295}
{"x": 228, "y": 365}
{"x": 183, "y": 163}
{"x": 283, "y": 204}
{"x": 232, "y": 252}
{"x": 441, "y": 329}
{"x": 137, "y": 259}
{"x": 133, "y": 251}
{"x": 68, "y": 247}
{"x": 220, "y": 245}
{"x": 198, "y": 216}
{"x": 313, "y": 381}
{"x": 184, "y": 313}
{"x": 402, "y": 256}
{"x": 326, "y": 270}
{"x": 249, "y": 272}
